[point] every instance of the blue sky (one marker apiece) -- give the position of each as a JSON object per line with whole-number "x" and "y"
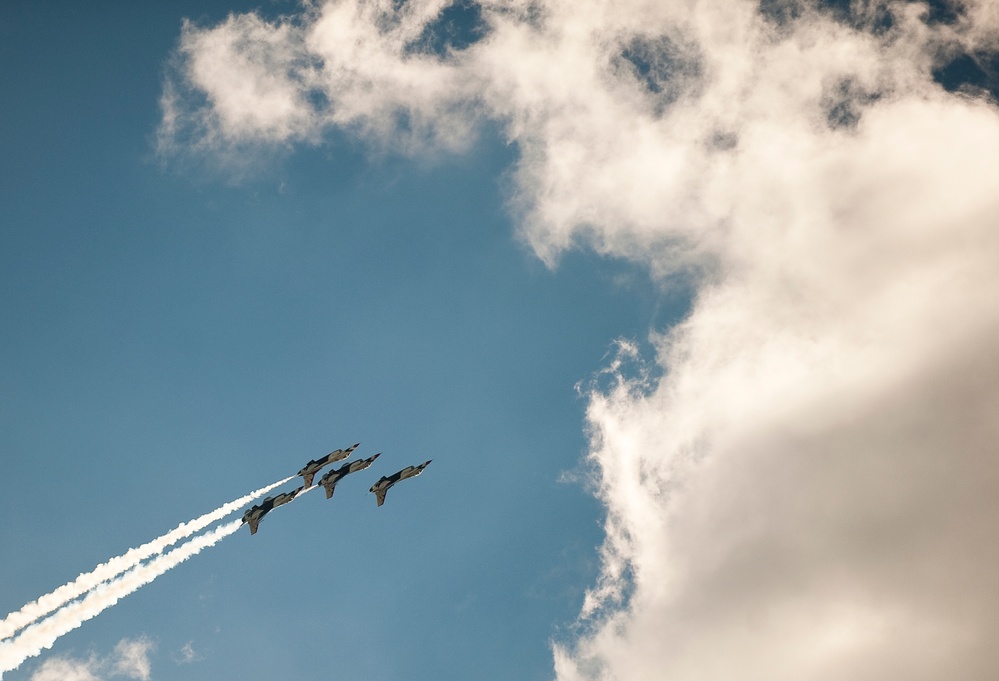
{"x": 692, "y": 305}
{"x": 172, "y": 340}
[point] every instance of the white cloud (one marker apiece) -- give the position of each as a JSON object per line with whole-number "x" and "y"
{"x": 810, "y": 491}
{"x": 132, "y": 658}
{"x": 129, "y": 659}
{"x": 187, "y": 654}
{"x": 67, "y": 669}
{"x": 349, "y": 65}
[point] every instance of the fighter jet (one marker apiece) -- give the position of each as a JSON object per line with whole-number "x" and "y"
{"x": 385, "y": 483}
{"x": 310, "y": 469}
{"x": 253, "y": 515}
{"x": 330, "y": 480}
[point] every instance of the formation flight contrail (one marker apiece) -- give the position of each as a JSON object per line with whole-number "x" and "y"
{"x": 109, "y": 582}
{"x": 41, "y": 635}
{"x": 114, "y": 567}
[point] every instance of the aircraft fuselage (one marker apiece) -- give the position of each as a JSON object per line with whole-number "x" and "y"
{"x": 385, "y": 483}
{"x": 310, "y": 469}
{"x": 255, "y": 513}
{"x": 330, "y": 480}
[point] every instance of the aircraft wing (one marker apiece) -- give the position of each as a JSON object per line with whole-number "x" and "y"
{"x": 380, "y": 496}
{"x": 308, "y": 478}
{"x": 329, "y": 487}
{"x": 253, "y": 522}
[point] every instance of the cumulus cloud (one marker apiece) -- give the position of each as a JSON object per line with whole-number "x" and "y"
{"x": 248, "y": 82}
{"x": 802, "y": 483}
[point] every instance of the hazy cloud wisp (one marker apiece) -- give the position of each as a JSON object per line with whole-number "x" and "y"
{"x": 130, "y": 660}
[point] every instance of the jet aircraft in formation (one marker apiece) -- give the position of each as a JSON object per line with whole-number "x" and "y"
{"x": 329, "y": 481}
{"x": 253, "y": 516}
{"x": 385, "y": 483}
{"x": 310, "y": 469}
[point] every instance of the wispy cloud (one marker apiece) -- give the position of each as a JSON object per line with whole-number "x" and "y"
{"x": 809, "y": 489}
{"x": 130, "y": 659}
{"x": 248, "y": 84}
{"x": 68, "y": 669}
{"x": 187, "y": 654}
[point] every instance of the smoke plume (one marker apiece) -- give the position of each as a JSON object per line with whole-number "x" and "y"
{"x": 105, "y": 571}
{"x": 41, "y": 635}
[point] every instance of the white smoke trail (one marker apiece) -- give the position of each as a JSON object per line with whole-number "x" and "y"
{"x": 41, "y": 635}
{"x": 88, "y": 580}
